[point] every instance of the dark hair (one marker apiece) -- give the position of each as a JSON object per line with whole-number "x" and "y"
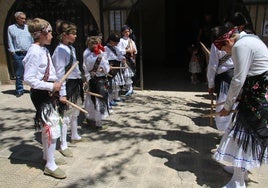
{"x": 218, "y": 31}
{"x": 114, "y": 37}
{"x": 125, "y": 27}
{"x": 63, "y": 26}
{"x": 238, "y": 19}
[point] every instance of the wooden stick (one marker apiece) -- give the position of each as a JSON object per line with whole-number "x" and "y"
{"x": 76, "y": 106}
{"x": 221, "y": 103}
{"x": 218, "y": 104}
{"x": 215, "y": 114}
{"x": 118, "y": 67}
{"x": 211, "y": 110}
{"x": 69, "y": 72}
{"x": 205, "y": 49}
{"x": 94, "y": 94}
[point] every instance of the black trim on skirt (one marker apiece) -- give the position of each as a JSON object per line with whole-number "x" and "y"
{"x": 39, "y": 97}
{"x": 74, "y": 89}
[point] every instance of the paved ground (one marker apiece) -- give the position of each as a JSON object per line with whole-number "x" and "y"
{"x": 155, "y": 139}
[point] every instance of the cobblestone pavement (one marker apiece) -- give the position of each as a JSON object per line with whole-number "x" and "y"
{"x": 155, "y": 139}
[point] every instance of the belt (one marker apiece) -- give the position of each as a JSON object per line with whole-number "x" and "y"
{"x": 21, "y": 52}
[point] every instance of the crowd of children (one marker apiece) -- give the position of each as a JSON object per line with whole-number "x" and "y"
{"x": 60, "y": 88}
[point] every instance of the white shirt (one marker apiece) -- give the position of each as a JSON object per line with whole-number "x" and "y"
{"x": 86, "y": 54}
{"x": 110, "y": 55}
{"x": 213, "y": 66}
{"x": 126, "y": 43}
{"x": 61, "y": 58}
{"x": 250, "y": 56}
{"x": 104, "y": 64}
{"x": 35, "y": 64}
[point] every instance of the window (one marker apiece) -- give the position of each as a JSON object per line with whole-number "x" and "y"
{"x": 116, "y": 20}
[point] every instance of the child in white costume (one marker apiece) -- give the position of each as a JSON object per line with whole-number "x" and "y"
{"x": 63, "y": 58}
{"x": 117, "y": 60}
{"x": 97, "y": 66}
{"x": 89, "y": 106}
{"x": 128, "y": 48}
{"x": 220, "y": 73}
{"x": 244, "y": 145}
{"x": 41, "y": 76}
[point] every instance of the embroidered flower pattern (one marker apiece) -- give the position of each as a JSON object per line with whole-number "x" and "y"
{"x": 256, "y": 86}
{"x": 255, "y": 97}
{"x": 266, "y": 96}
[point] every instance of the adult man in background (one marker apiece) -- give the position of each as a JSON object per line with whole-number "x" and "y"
{"x": 19, "y": 40}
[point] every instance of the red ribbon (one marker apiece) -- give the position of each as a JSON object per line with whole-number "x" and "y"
{"x": 221, "y": 41}
{"x": 97, "y": 49}
{"x": 101, "y": 47}
{"x": 48, "y": 133}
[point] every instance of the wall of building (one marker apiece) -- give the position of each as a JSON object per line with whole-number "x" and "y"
{"x": 161, "y": 42}
{"x": 4, "y": 74}
{"x": 259, "y": 17}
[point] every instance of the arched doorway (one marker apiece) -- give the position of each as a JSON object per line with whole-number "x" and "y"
{"x": 52, "y": 10}
{"x": 167, "y": 30}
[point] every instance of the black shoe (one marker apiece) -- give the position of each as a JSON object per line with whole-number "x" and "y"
{"x": 90, "y": 122}
{"x": 113, "y": 103}
{"x": 119, "y": 100}
{"x": 101, "y": 128}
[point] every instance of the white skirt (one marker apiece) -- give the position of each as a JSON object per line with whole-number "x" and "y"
{"x": 128, "y": 73}
{"x": 194, "y": 67}
{"x": 230, "y": 152}
{"x": 222, "y": 122}
{"x": 118, "y": 79}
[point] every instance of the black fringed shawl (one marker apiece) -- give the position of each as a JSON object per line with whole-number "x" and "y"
{"x": 250, "y": 126}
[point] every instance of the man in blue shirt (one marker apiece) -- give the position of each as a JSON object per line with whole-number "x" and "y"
{"x": 19, "y": 40}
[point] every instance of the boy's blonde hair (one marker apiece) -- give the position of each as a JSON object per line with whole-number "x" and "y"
{"x": 37, "y": 26}
{"x": 91, "y": 42}
{"x": 63, "y": 26}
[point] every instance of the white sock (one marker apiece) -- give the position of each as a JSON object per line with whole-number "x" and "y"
{"x": 246, "y": 176}
{"x": 229, "y": 169}
{"x": 45, "y": 144}
{"x": 63, "y": 143}
{"x": 130, "y": 88}
{"x": 115, "y": 95}
{"x": 74, "y": 131}
{"x": 51, "y": 165}
{"x": 237, "y": 180}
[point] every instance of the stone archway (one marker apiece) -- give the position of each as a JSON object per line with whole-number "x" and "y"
{"x": 75, "y": 11}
